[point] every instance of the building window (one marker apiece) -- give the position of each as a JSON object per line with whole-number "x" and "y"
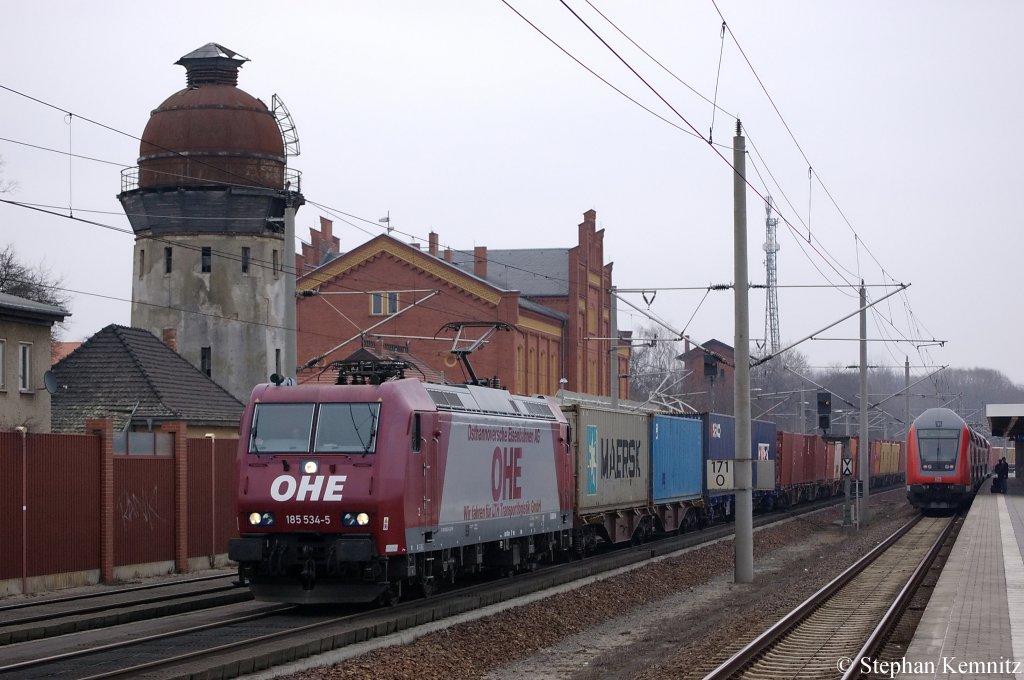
{"x": 383, "y": 303}
{"x": 207, "y": 256}
{"x": 3, "y": 365}
{"x": 167, "y": 260}
{"x": 142, "y": 263}
{"x": 245, "y": 259}
{"x": 25, "y": 366}
{"x": 205, "y": 361}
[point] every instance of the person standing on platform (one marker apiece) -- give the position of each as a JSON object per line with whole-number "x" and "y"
{"x": 1002, "y": 472}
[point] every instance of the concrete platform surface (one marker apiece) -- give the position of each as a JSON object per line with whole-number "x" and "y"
{"x": 973, "y": 626}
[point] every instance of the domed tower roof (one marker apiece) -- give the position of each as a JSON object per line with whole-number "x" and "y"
{"x": 211, "y": 133}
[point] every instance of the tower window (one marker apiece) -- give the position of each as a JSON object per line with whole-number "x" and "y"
{"x": 142, "y": 262}
{"x": 277, "y": 263}
{"x": 167, "y": 260}
{"x": 245, "y": 259}
{"x": 207, "y": 256}
{"x": 205, "y": 361}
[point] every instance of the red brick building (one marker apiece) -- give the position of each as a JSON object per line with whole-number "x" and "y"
{"x": 392, "y": 292}
{"x": 708, "y": 385}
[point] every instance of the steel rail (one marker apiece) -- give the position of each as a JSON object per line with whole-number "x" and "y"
{"x": 895, "y": 611}
{"x": 135, "y": 641}
{"x": 769, "y": 637}
{"x": 107, "y": 606}
{"x": 108, "y": 593}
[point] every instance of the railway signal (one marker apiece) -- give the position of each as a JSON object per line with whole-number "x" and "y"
{"x": 824, "y": 410}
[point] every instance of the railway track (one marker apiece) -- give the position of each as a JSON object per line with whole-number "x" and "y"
{"x": 847, "y": 620}
{"x": 253, "y": 636}
{"x": 52, "y": 616}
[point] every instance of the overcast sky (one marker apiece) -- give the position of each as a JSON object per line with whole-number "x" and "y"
{"x": 459, "y": 117}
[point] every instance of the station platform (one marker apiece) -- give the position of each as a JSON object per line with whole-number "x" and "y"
{"x": 973, "y": 626}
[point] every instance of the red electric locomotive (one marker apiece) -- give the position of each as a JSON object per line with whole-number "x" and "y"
{"x": 947, "y": 461}
{"x": 354, "y": 493}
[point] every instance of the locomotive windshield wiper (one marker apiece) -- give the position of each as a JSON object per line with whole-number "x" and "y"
{"x": 254, "y": 438}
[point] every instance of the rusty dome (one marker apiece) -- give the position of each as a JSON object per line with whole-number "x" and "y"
{"x": 212, "y": 133}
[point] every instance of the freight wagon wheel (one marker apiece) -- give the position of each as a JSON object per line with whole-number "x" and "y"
{"x": 391, "y": 596}
{"x": 689, "y": 522}
{"x": 426, "y": 587}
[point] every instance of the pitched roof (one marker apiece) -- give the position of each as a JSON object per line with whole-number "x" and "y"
{"x": 550, "y": 280}
{"x": 128, "y": 374}
{"x": 534, "y": 272}
{"x": 19, "y": 307}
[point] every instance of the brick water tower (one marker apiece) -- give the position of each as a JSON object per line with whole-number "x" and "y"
{"x": 212, "y": 204}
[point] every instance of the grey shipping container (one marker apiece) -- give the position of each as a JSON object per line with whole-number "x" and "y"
{"x": 677, "y": 458}
{"x": 612, "y": 458}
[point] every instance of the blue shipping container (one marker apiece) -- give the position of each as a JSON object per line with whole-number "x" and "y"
{"x": 720, "y": 444}
{"x": 677, "y": 458}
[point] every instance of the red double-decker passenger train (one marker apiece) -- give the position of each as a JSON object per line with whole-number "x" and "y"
{"x": 947, "y": 461}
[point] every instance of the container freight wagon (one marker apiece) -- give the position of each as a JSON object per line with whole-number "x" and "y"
{"x": 677, "y": 472}
{"x": 612, "y": 463}
{"x": 805, "y": 468}
{"x": 719, "y": 432}
{"x": 887, "y": 462}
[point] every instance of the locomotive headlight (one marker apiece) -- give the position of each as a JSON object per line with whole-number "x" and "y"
{"x": 355, "y": 519}
{"x": 309, "y": 467}
{"x": 261, "y": 519}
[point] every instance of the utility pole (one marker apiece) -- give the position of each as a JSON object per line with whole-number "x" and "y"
{"x": 744, "y": 541}
{"x": 864, "y": 449}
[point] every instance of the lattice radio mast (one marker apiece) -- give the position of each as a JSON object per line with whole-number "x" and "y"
{"x": 771, "y": 305}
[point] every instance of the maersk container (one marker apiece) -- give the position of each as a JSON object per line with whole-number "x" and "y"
{"x": 612, "y": 458}
{"x": 677, "y": 458}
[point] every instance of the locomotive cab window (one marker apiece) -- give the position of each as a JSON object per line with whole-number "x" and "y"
{"x": 281, "y": 428}
{"x": 347, "y": 428}
{"x": 938, "y": 448}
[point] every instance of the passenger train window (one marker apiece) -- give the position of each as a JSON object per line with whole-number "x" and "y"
{"x": 281, "y": 428}
{"x": 416, "y": 434}
{"x": 346, "y": 428}
{"x": 938, "y": 448}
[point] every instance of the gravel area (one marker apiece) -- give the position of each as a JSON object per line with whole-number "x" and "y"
{"x": 675, "y": 618}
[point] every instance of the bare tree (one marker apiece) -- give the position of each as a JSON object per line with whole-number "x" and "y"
{"x": 5, "y": 185}
{"x": 653, "y": 366}
{"x": 32, "y": 283}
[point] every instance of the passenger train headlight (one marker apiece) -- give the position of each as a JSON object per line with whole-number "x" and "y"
{"x": 355, "y": 519}
{"x": 254, "y": 518}
{"x": 309, "y": 467}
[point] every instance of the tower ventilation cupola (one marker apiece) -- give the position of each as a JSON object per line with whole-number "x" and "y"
{"x": 211, "y": 64}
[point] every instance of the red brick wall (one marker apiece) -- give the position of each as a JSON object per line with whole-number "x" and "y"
{"x": 527, "y": 362}
{"x": 326, "y": 320}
